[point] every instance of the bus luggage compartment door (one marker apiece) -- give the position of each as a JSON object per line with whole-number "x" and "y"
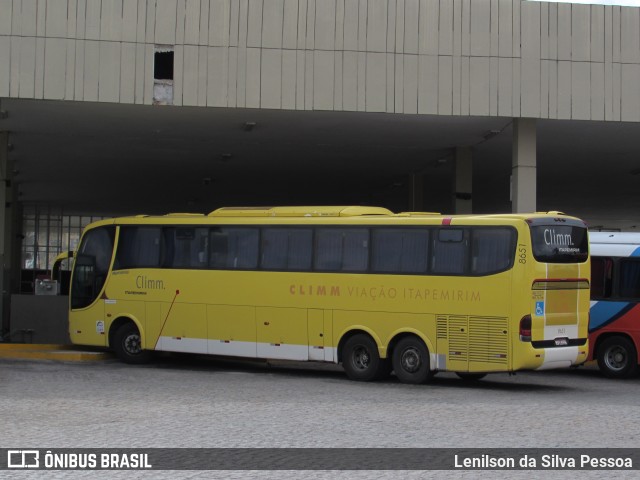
{"x": 315, "y": 320}
{"x": 282, "y": 333}
{"x": 474, "y": 343}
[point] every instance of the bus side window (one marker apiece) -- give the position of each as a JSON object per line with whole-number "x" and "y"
{"x": 328, "y": 251}
{"x": 218, "y": 242}
{"x": 629, "y": 278}
{"x": 234, "y": 248}
{"x": 355, "y": 250}
{"x": 342, "y": 249}
{"x": 139, "y": 247}
{"x": 601, "y": 278}
{"x": 400, "y": 250}
{"x": 243, "y": 248}
{"x": 202, "y": 247}
{"x": 286, "y": 248}
{"x": 300, "y": 251}
{"x": 450, "y": 251}
{"x": 493, "y": 250}
{"x": 185, "y": 247}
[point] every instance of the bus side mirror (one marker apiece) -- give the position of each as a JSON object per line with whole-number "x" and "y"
{"x": 55, "y": 269}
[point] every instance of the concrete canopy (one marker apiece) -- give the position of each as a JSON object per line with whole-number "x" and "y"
{"x": 104, "y": 158}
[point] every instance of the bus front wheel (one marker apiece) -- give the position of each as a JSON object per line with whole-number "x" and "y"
{"x": 127, "y": 344}
{"x": 411, "y": 361}
{"x": 617, "y": 357}
{"x": 360, "y": 359}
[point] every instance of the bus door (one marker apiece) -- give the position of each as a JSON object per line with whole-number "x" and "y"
{"x": 86, "y": 325}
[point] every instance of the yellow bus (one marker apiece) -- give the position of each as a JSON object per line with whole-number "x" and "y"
{"x": 413, "y": 293}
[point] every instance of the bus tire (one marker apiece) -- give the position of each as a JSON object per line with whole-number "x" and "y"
{"x": 617, "y": 357}
{"x": 471, "y": 377}
{"x": 361, "y": 360}
{"x": 411, "y": 361}
{"x": 128, "y": 345}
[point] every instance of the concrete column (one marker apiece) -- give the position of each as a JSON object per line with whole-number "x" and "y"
{"x": 523, "y": 173}
{"x": 463, "y": 180}
{"x": 416, "y": 192}
{"x": 5, "y": 232}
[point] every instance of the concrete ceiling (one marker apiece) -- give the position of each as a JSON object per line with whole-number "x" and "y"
{"x": 124, "y": 159}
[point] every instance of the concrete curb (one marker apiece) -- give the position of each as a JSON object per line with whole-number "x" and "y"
{"x": 63, "y": 353}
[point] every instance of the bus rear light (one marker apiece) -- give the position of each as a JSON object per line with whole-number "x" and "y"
{"x": 525, "y": 328}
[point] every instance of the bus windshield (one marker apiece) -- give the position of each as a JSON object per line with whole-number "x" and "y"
{"x": 91, "y": 266}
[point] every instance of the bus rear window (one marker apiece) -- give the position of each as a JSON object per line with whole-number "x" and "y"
{"x": 559, "y": 243}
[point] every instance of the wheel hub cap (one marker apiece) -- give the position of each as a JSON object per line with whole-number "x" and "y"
{"x": 132, "y": 344}
{"x": 410, "y": 360}
{"x": 361, "y": 358}
{"x": 616, "y": 359}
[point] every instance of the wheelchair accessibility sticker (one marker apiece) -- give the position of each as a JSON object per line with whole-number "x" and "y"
{"x": 539, "y": 309}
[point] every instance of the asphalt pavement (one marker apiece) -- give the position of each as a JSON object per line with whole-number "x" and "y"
{"x": 182, "y": 401}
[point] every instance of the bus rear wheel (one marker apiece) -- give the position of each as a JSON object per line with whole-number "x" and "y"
{"x": 360, "y": 359}
{"x": 617, "y": 357}
{"x": 127, "y": 344}
{"x": 411, "y": 361}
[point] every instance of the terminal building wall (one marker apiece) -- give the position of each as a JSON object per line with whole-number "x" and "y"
{"x": 506, "y": 58}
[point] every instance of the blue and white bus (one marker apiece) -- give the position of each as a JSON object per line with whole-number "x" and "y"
{"x": 614, "y": 324}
